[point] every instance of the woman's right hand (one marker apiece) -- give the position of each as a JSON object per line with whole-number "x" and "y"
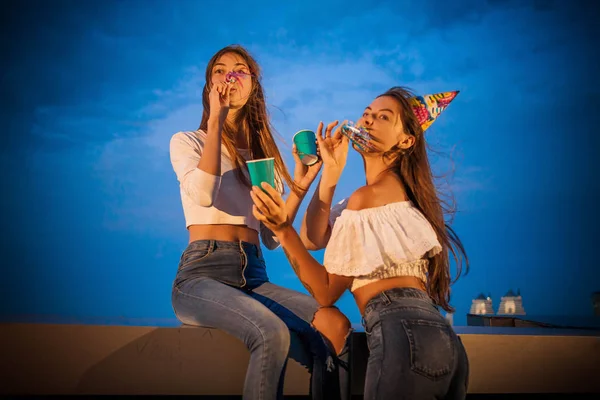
{"x": 219, "y": 100}
{"x": 333, "y": 149}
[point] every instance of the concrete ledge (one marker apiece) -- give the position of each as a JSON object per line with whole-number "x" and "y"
{"x": 104, "y": 359}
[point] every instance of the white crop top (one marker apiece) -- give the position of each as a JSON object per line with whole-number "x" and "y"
{"x": 379, "y": 242}
{"x": 208, "y": 199}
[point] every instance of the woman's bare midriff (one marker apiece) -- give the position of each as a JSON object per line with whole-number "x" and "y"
{"x": 227, "y": 233}
{"x": 363, "y": 294}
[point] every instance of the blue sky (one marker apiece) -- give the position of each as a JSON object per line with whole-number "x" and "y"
{"x": 93, "y": 92}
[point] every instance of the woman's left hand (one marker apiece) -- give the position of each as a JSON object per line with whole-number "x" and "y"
{"x": 304, "y": 175}
{"x": 269, "y": 208}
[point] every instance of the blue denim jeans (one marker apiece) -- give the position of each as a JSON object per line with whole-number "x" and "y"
{"x": 225, "y": 285}
{"x": 414, "y": 352}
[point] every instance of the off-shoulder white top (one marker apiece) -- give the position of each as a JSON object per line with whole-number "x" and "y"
{"x": 210, "y": 199}
{"x": 380, "y": 242}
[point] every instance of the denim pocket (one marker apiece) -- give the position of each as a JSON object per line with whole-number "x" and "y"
{"x": 431, "y": 347}
{"x": 374, "y": 339}
{"x": 196, "y": 251}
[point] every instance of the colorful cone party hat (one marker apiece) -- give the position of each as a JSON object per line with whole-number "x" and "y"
{"x": 428, "y": 107}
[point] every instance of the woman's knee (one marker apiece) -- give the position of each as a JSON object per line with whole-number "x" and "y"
{"x": 333, "y": 325}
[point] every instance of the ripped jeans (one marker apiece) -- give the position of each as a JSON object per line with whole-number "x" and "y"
{"x": 414, "y": 352}
{"x": 224, "y": 285}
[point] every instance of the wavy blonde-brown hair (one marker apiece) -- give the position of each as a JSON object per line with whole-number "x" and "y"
{"x": 413, "y": 168}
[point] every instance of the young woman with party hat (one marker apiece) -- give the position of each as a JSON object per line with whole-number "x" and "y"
{"x": 388, "y": 244}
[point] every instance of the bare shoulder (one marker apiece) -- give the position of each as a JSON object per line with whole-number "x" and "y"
{"x": 388, "y": 190}
{"x": 363, "y": 197}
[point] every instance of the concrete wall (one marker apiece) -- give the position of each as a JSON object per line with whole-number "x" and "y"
{"x": 93, "y": 359}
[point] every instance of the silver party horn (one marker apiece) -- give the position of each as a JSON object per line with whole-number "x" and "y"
{"x": 359, "y": 136}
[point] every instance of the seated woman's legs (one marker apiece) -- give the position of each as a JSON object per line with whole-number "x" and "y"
{"x": 324, "y": 330}
{"x": 329, "y": 321}
{"x": 206, "y": 302}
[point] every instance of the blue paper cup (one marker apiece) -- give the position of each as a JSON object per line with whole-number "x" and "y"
{"x": 305, "y": 141}
{"x": 262, "y": 170}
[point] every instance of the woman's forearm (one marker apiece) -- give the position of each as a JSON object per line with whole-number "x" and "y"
{"x": 292, "y": 204}
{"x": 210, "y": 162}
{"x": 311, "y": 273}
{"x": 315, "y": 229}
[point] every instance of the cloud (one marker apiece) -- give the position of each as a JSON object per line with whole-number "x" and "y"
{"x": 324, "y": 89}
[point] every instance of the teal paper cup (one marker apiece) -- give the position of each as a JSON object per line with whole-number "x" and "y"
{"x": 306, "y": 145}
{"x": 262, "y": 170}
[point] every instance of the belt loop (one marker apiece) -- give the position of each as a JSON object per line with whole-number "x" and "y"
{"x": 386, "y": 298}
{"x": 211, "y": 246}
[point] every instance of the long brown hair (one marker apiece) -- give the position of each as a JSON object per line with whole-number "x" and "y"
{"x": 413, "y": 168}
{"x": 253, "y": 118}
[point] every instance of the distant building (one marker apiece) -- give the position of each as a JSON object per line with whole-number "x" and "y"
{"x": 511, "y": 304}
{"x": 596, "y": 303}
{"x": 482, "y": 305}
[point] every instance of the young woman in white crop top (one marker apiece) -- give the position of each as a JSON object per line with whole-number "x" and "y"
{"x": 388, "y": 244}
{"x": 222, "y": 280}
